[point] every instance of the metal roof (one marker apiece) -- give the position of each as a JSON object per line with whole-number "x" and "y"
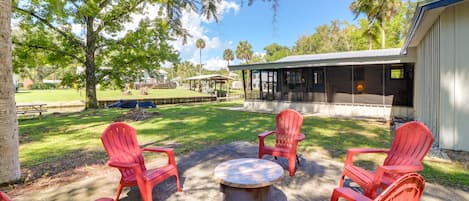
{"x": 210, "y": 77}
{"x": 364, "y": 57}
{"x": 342, "y": 55}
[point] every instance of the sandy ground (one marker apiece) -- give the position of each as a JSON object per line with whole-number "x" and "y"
{"x": 314, "y": 180}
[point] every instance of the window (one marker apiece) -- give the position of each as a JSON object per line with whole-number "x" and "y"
{"x": 294, "y": 77}
{"x": 397, "y": 73}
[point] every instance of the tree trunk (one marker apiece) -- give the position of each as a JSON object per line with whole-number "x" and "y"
{"x": 200, "y": 61}
{"x": 91, "y": 101}
{"x": 383, "y": 35}
{"x": 370, "y": 44}
{"x": 9, "y": 161}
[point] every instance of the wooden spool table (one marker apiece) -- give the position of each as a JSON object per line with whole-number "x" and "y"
{"x": 247, "y": 179}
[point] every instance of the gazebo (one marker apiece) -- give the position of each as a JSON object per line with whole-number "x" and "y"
{"x": 210, "y": 82}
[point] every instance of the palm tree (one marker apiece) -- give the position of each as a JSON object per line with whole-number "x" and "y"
{"x": 228, "y": 56}
{"x": 9, "y": 163}
{"x": 389, "y": 9}
{"x": 200, "y": 43}
{"x": 371, "y": 9}
{"x": 244, "y": 51}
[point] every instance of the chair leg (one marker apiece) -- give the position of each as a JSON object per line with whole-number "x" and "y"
{"x": 178, "y": 183}
{"x": 291, "y": 165}
{"x": 148, "y": 194}
{"x": 119, "y": 190}
{"x": 298, "y": 159}
{"x": 260, "y": 154}
{"x": 335, "y": 196}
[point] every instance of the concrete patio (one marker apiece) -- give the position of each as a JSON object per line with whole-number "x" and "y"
{"x": 314, "y": 180}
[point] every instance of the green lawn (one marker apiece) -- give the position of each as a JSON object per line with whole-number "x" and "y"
{"x": 65, "y": 95}
{"x": 48, "y": 144}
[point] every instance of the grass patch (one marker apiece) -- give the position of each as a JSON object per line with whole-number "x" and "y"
{"x": 66, "y": 95}
{"x": 54, "y": 138}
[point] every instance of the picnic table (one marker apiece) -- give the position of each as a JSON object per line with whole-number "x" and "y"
{"x": 31, "y": 108}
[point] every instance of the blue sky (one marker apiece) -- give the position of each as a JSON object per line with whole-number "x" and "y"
{"x": 255, "y": 24}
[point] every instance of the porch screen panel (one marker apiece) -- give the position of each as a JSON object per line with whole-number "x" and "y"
{"x": 399, "y": 79}
{"x": 339, "y": 84}
{"x": 316, "y": 83}
{"x": 294, "y": 86}
{"x": 256, "y": 85}
{"x": 368, "y": 84}
{"x": 269, "y": 84}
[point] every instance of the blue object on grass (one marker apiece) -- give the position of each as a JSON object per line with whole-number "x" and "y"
{"x": 132, "y": 104}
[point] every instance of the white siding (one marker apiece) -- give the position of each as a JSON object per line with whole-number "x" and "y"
{"x": 461, "y": 80}
{"x": 442, "y": 78}
{"x": 426, "y": 100}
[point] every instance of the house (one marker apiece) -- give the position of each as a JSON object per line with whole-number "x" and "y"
{"x": 439, "y": 35}
{"x": 427, "y": 79}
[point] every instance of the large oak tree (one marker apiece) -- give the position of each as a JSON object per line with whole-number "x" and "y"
{"x": 9, "y": 162}
{"x": 102, "y": 21}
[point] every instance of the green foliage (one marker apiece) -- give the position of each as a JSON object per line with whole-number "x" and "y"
{"x": 336, "y": 37}
{"x": 185, "y": 69}
{"x": 275, "y": 52}
{"x": 257, "y": 58}
{"x": 228, "y": 55}
{"x": 342, "y": 36}
{"x": 140, "y": 51}
{"x": 244, "y": 51}
{"x": 44, "y": 86}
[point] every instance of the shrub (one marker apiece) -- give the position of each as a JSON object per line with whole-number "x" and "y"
{"x": 44, "y": 86}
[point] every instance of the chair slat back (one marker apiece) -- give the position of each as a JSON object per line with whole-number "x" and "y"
{"x": 288, "y": 128}
{"x": 411, "y": 143}
{"x": 120, "y": 143}
{"x": 408, "y": 187}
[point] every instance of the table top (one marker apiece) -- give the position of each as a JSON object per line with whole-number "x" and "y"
{"x": 248, "y": 173}
{"x": 30, "y": 104}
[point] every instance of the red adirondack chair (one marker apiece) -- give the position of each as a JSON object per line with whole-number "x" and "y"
{"x": 120, "y": 142}
{"x": 287, "y": 136}
{"x": 411, "y": 143}
{"x": 407, "y": 188}
{"x": 4, "y": 197}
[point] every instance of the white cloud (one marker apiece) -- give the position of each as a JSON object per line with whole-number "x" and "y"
{"x": 194, "y": 22}
{"x": 215, "y": 64}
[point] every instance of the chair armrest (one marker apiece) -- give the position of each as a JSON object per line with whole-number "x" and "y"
{"x": 353, "y": 151}
{"x": 265, "y": 134}
{"x": 348, "y": 194}
{"x": 159, "y": 150}
{"x": 118, "y": 164}
{"x": 300, "y": 137}
{"x": 168, "y": 151}
{"x": 262, "y": 136}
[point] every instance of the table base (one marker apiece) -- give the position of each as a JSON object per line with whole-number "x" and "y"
{"x": 245, "y": 194}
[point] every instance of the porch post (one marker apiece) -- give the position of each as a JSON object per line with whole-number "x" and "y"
{"x": 244, "y": 84}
